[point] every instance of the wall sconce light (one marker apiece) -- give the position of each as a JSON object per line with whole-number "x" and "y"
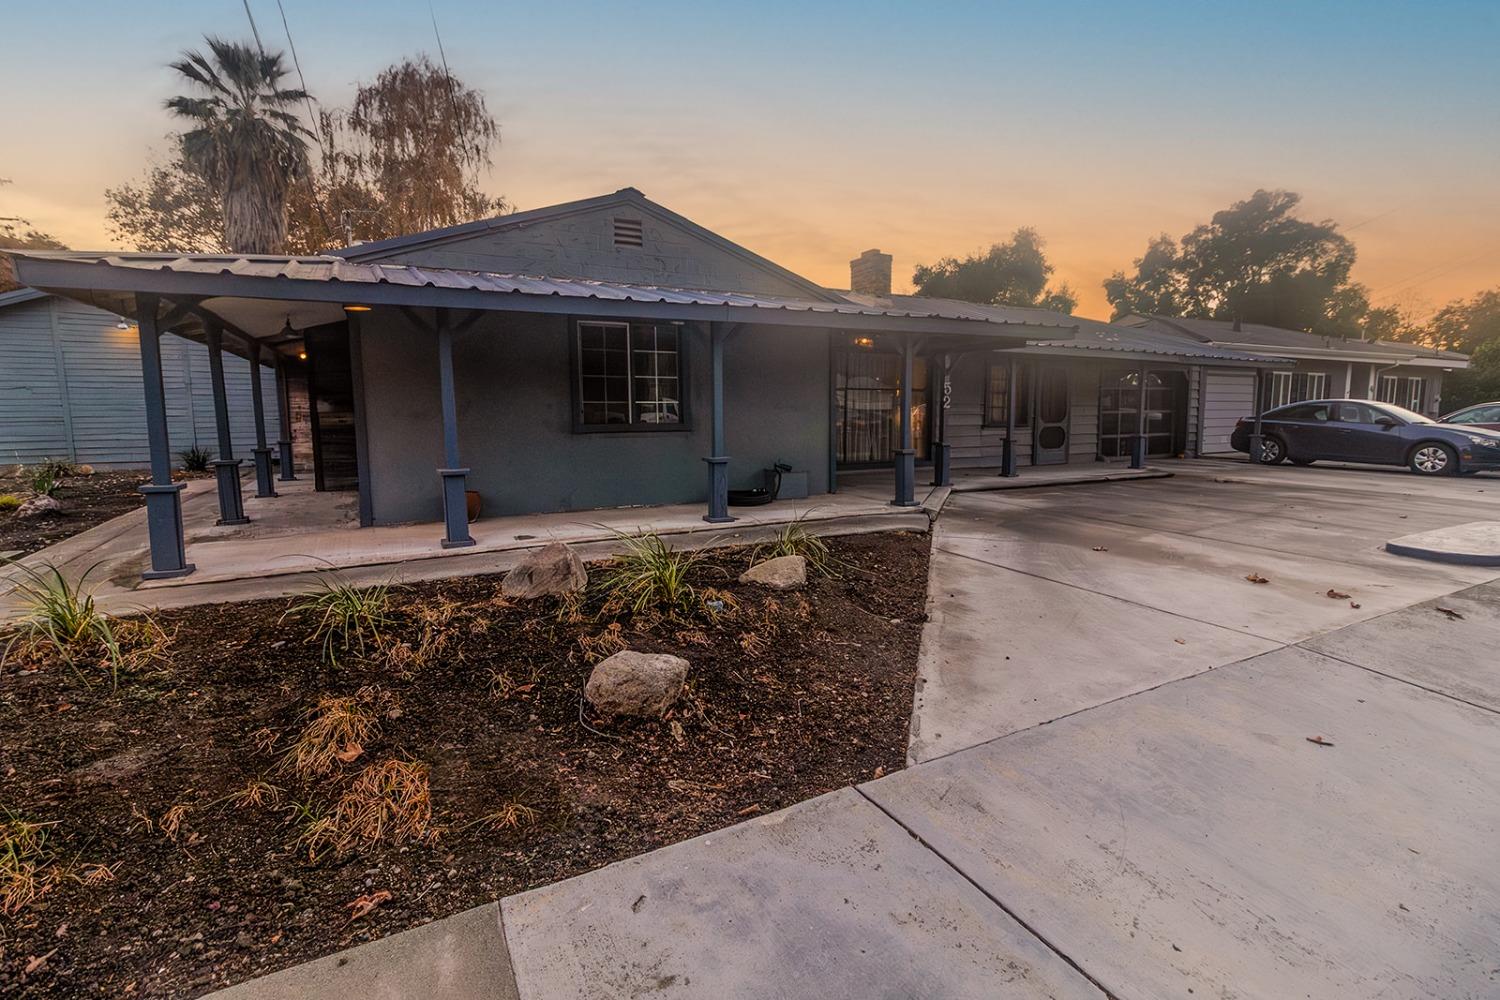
{"x": 356, "y": 309}
{"x": 301, "y": 355}
{"x": 123, "y": 324}
{"x": 864, "y": 341}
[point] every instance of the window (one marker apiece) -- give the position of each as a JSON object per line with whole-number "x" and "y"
{"x": 1294, "y": 387}
{"x": 1409, "y": 391}
{"x": 1120, "y": 418}
{"x": 1477, "y": 415}
{"x": 867, "y": 395}
{"x": 997, "y": 394}
{"x": 1317, "y": 412}
{"x": 1355, "y": 413}
{"x": 628, "y": 377}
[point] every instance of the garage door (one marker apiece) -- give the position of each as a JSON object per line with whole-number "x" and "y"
{"x": 1228, "y": 395}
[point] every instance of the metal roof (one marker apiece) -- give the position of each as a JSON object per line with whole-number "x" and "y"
{"x": 16, "y": 296}
{"x": 109, "y": 280}
{"x": 1293, "y": 342}
{"x": 1090, "y": 337}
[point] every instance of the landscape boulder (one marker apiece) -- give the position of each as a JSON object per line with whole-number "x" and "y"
{"x": 39, "y": 506}
{"x": 550, "y": 571}
{"x": 781, "y": 573}
{"x": 631, "y": 683}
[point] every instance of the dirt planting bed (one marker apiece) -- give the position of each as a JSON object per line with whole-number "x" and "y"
{"x": 86, "y": 501}
{"x": 237, "y": 805}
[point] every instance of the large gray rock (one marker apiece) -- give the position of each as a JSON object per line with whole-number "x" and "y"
{"x": 549, "y": 571}
{"x": 631, "y": 683}
{"x": 39, "y": 506}
{"x": 781, "y": 573}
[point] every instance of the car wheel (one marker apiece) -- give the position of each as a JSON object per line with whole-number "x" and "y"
{"x": 1433, "y": 459}
{"x": 1272, "y": 451}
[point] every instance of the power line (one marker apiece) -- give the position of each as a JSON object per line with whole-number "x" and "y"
{"x": 254, "y": 30}
{"x": 1425, "y": 275}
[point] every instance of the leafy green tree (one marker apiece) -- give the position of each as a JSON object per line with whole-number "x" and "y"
{"x": 1014, "y": 273}
{"x": 245, "y": 139}
{"x": 1467, "y": 324}
{"x": 172, "y": 209}
{"x": 19, "y": 234}
{"x": 1255, "y": 261}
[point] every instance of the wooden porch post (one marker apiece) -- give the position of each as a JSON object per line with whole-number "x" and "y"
{"x": 226, "y": 467}
{"x": 1008, "y": 449}
{"x": 263, "y": 485}
{"x": 455, "y": 478}
{"x": 718, "y": 462}
{"x": 163, "y": 497}
{"x": 906, "y": 455}
{"x": 288, "y": 472}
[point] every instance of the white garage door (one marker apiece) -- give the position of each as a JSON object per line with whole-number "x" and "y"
{"x": 1228, "y": 395}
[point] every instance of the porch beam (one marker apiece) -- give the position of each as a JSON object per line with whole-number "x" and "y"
{"x": 455, "y": 479}
{"x": 1138, "y": 446}
{"x": 163, "y": 497}
{"x": 288, "y": 472}
{"x": 906, "y": 455}
{"x": 263, "y": 485}
{"x": 718, "y": 462}
{"x": 226, "y": 467}
{"x": 1008, "y": 467}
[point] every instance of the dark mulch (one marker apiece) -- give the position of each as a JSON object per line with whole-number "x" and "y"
{"x": 497, "y": 720}
{"x": 86, "y": 500}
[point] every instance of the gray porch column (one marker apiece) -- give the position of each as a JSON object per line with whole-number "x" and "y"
{"x": 455, "y": 479}
{"x": 906, "y": 455}
{"x": 942, "y": 451}
{"x": 163, "y": 497}
{"x": 1138, "y": 447}
{"x": 263, "y": 485}
{"x": 227, "y": 467}
{"x": 718, "y": 462}
{"x": 284, "y": 420}
{"x": 1008, "y": 449}
{"x": 1256, "y": 437}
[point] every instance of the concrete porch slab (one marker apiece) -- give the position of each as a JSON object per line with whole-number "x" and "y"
{"x": 1059, "y": 475}
{"x": 827, "y": 899}
{"x": 1191, "y": 838}
{"x": 462, "y": 957}
{"x": 1476, "y": 543}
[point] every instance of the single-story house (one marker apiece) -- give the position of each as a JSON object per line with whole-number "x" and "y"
{"x": 1316, "y": 368}
{"x": 70, "y": 387}
{"x": 611, "y": 352}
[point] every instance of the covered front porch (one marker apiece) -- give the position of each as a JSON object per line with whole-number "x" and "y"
{"x": 545, "y": 397}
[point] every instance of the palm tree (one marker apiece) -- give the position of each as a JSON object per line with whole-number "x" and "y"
{"x": 244, "y": 140}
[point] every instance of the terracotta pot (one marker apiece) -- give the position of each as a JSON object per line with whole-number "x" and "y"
{"x": 474, "y": 503}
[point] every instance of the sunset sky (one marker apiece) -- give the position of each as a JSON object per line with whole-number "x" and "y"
{"x": 811, "y": 131}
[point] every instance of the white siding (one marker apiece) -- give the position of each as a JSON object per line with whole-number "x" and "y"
{"x": 1228, "y": 395}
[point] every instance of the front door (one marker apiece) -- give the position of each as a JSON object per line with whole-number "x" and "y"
{"x": 1050, "y": 441}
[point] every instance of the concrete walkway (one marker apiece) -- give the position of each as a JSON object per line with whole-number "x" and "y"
{"x": 1128, "y": 822}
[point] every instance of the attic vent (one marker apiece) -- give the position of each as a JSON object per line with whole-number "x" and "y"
{"x": 628, "y": 233}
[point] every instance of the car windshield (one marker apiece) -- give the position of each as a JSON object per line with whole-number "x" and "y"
{"x": 1410, "y": 416}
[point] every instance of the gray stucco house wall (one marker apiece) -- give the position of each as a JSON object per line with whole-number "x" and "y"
{"x": 70, "y": 387}
{"x": 515, "y": 425}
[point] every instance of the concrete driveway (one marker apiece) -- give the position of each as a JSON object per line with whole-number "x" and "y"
{"x": 1140, "y": 776}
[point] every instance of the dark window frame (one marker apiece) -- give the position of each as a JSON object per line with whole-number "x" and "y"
{"x": 1023, "y": 403}
{"x": 575, "y": 377}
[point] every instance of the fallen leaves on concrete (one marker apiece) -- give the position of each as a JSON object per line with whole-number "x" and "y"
{"x": 1256, "y": 578}
{"x": 1320, "y": 741}
{"x": 1337, "y": 595}
{"x": 1452, "y": 615}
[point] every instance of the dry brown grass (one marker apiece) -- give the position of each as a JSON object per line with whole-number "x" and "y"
{"x": 510, "y": 816}
{"x": 94, "y": 875}
{"x": 390, "y": 800}
{"x": 171, "y": 821}
{"x": 257, "y": 794}
{"x": 335, "y": 732}
{"x": 606, "y": 643}
{"x": 28, "y": 868}
{"x": 436, "y": 631}
{"x": 504, "y": 687}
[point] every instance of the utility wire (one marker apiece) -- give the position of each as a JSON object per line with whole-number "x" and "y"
{"x": 312, "y": 119}
{"x": 254, "y": 30}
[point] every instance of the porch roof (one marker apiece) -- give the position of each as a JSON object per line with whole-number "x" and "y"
{"x": 258, "y": 294}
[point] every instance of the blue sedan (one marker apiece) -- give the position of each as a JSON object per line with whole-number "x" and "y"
{"x": 1358, "y": 430}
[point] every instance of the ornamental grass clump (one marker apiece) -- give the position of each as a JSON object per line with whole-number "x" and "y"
{"x": 650, "y": 576}
{"x": 61, "y": 620}
{"x": 795, "y": 540}
{"x": 389, "y": 801}
{"x": 335, "y": 732}
{"x": 348, "y": 619}
{"x": 27, "y": 869}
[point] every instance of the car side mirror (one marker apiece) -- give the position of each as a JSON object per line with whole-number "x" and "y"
{"x": 1387, "y": 422}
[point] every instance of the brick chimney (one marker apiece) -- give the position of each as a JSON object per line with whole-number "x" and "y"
{"x": 870, "y": 274}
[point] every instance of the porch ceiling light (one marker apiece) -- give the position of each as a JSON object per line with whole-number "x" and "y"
{"x": 864, "y": 341}
{"x": 356, "y": 309}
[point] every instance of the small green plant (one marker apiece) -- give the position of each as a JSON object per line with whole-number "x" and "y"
{"x": 650, "y": 576}
{"x": 59, "y": 467}
{"x": 350, "y": 619}
{"x": 43, "y": 482}
{"x": 61, "y": 618}
{"x": 9, "y": 502}
{"x": 795, "y": 540}
{"x": 195, "y": 459}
